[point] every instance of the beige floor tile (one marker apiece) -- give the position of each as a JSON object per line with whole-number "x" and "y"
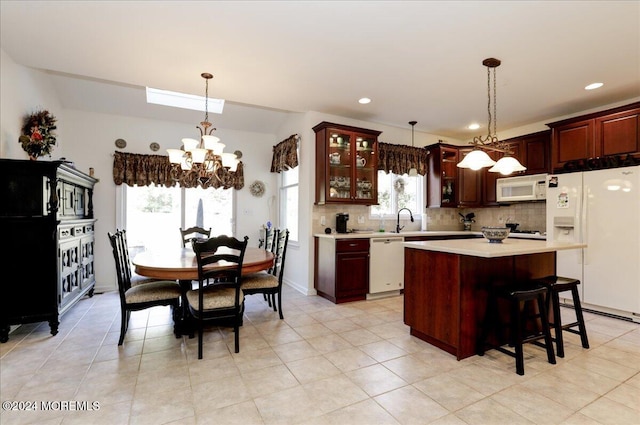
{"x": 212, "y": 369}
{"x": 580, "y": 419}
{"x": 350, "y": 359}
{"x": 366, "y": 412}
{"x": 313, "y": 330}
{"x": 334, "y": 393}
{"x": 312, "y": 369}
{"x": 626, "y": 395}
{"x": 223, "y": 392}
{"x": 606, "y": 367}
{"x": 108, "y": 414}
{"x": 608, "y": 411}
{"x": 532, "y": 405}
{"x": 295, "y": 351}
{"x": 560, "y": 390}
{"x": 360, "y": 337}
{"x": 245, "y": 413}
{"x": 256, "y": 359}
{"x": 376, "y": 379}
{"x": 161, "y": 407}
{"x": 329, "y": 343}
{"x": 290, "y": 406}
{"x": 449, "y": 392}
{"x": 163, "y": 379}
{"x": 382, "y": 350}
{"x": 410, "y": 406}
{"x": 269, "y": 380}
{"x": 488, "y": 411}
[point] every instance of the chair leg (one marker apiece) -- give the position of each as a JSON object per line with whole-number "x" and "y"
{"x": 544, "y": 319}
{"x": 280, "y": 304}
{"x": 236, "y": 330}
{"x": 200, "y": 337}
{"x": 557, "y": 322}
{"x": 580, "y": 317}
{"x": 516, "y": 336}
{"x": 124, "y": 319}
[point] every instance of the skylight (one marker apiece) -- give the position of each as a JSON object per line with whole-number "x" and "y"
{"x": 182, "y": 100}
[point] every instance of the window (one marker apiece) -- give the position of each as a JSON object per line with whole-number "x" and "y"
{"x": 289, "y": 202}
{"x": 395, "y": 192}
{"x": 154, "y": 214}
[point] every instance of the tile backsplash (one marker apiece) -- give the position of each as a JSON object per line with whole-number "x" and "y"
{"x": 530, "y": 216}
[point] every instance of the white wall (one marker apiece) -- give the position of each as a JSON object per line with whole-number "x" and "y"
{"x": 24, "y": 91}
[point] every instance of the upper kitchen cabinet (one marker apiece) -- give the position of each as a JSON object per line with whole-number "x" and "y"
{"x": 607, "y": 133}
{"x": 442, "y": 187}
{"x": 533, "y": 151}
{"x": 346, "y": 164}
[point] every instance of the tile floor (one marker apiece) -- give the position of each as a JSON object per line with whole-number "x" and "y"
{"x": 342, "y": 364}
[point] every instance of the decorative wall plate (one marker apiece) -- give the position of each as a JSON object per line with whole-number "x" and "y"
{"x": 154, "y": 146}
{"x": 121, "y": 143}
{"x": 257, "y": 188}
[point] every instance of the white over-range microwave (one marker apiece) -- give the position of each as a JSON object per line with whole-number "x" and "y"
{"x": 522, "y": 188}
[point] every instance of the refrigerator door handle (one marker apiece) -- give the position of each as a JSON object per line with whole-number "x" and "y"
{"x": 583, "y": 223}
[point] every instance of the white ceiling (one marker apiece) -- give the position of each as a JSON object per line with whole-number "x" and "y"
{"x": 417, "y": 60}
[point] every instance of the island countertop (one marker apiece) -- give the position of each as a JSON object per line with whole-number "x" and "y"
{"x": 482, "y": 247}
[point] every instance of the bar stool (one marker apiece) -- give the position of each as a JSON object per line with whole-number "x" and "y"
{"x": 555, "y": 285}
{"x": 519, "y": 299}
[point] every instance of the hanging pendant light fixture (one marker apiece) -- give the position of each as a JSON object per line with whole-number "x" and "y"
{"x": 413, "y": 171}
{"x": 478, "y": 158}
{"x": 200, "y": 161}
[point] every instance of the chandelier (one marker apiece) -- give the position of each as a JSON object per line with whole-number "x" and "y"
{"x": 478, "y": 158}
{"x": 201, "y": 161}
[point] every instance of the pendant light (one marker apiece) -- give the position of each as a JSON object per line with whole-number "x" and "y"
{"x": 202, "y": 159}
{"x": 413, "y": 171}
{"x": 478, "y": 158}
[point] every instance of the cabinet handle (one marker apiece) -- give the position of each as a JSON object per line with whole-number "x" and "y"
{"x": 353, "y": 244}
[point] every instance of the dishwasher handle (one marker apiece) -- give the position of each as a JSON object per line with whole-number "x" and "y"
{"x": 387, "y": 240}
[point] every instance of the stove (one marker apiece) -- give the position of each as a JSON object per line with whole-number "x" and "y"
{"x": 530, "y": 232}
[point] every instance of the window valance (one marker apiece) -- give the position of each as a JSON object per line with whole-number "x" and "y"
{"x": 285, "y": 154}
{"x": 144, "y": 170}
{"x": 399, "y": 159}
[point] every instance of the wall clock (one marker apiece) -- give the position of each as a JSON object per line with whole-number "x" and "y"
{"x": 257, "y": 188}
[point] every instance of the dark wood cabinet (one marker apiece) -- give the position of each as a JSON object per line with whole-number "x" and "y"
{"x": 342, "y": 269}
{"x": 442, "y": 179}
{"x": 346, "y": 164}
{"x": 46, "y": 215}
{"x": 470, "y": 183}
{"x": 607, "y": 133}
{"x": 532, "y": 150}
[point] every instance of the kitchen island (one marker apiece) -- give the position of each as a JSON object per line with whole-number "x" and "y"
{"x": 446, "y": 284}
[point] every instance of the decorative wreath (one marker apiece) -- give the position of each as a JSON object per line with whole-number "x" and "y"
{"x": 257, "y": 188}
{"x": 38, "y": 135}
{"x": 399, "y": 184}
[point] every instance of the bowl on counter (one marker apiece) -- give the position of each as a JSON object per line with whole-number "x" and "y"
{"x": 495, "y": 234}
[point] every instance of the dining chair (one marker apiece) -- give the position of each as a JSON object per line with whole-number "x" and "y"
{"x": 269, "y": 283}
{"x": 267, "y": 242}
{"x": 218, "y": 297}
{"x": 194, "y": 232}
{"x": 142, "y": 296}
{"x": 136, "y": 279}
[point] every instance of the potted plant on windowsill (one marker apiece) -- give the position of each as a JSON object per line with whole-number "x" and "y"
{"x": 38, "y": 136}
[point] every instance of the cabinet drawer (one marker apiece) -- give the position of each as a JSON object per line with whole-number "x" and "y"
{"x": 352, "y": 245}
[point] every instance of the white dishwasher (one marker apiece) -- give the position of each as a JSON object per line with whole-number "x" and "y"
{"x": 386, "y": 266}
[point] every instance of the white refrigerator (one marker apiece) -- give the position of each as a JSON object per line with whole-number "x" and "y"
{"x": 602, "y": 209}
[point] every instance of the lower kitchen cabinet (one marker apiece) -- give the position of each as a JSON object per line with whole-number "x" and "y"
{"x": 342, "y": 269}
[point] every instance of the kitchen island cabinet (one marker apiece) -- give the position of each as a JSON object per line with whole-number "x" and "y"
{"x": 446, "y": 284}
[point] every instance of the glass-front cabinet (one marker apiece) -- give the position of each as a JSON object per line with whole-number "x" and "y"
{"x": 346, "y": 164}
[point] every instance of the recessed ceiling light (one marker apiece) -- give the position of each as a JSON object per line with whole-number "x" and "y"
{"x": 473, "y": 126}
{"x": 594, "y": 86}
{"x": 364, "y": 100}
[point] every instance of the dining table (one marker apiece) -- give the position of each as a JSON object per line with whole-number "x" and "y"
{"x": 180, "y": 264}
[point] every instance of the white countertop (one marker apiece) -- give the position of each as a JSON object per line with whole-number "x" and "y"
{"x": 367, "y": 234}
{"x": 482, "y": 247}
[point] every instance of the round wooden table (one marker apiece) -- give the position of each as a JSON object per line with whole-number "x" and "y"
{"x": 181, "y": 264}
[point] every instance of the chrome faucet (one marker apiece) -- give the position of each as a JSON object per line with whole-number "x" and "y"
{"x": 398, "y": 228}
